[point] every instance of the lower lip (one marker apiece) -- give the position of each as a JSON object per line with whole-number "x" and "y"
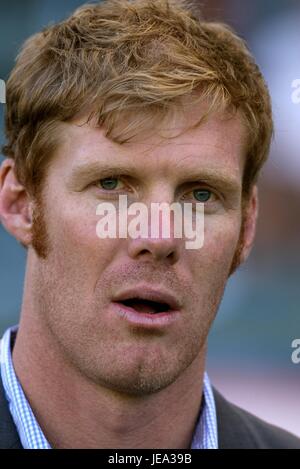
{"x": 146, "y": 320}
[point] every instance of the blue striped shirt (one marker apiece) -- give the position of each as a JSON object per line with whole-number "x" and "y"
{"x": 30, "y": 433}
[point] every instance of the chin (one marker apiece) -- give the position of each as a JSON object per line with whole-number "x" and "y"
{"x": 138, "y": 385}
{"x": 142, "y": 375}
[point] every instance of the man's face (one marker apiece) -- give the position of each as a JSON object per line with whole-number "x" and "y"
{"x": 82, "y": 275}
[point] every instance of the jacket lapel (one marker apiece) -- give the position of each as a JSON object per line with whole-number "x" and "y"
{"x": 233, "y": 432}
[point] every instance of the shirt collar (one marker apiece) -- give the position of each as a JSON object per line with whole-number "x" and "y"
{"x": 30, "y": 433}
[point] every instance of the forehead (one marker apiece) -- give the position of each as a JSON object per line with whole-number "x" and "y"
{"x": 172, "y": 146}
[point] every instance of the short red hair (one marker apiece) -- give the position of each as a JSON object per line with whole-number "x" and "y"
{"x": 121, "y": 56}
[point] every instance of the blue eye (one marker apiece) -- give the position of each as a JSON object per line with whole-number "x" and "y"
{"x": 109, "y": 183}
{"x": 202, "y": 195}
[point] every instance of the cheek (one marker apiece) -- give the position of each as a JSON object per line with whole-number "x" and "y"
{"x": 221, "y": 235}
{"x": 75, "y": 242}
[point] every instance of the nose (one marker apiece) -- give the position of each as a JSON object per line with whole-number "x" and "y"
{"x": 158, "y": 245}
{"x": 158, "y": 249}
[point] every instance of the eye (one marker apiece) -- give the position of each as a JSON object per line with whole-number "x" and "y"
{"x": 202, "y": 195}
{"x": 109, "y": 184}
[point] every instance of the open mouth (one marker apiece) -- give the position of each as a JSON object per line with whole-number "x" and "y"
{"x": 141, "y": 305}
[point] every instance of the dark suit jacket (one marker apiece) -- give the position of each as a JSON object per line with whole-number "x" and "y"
{"x": 236, "y": 428}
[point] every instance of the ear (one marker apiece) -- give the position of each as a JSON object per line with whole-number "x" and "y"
{"x": 250, "y": 213}
{"x": 15, "y": 204}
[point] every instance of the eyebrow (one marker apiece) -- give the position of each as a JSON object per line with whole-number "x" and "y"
{"x": 93, "y": 170}
{"x": 84, "y": 173}
{"x": 213, "y": 178}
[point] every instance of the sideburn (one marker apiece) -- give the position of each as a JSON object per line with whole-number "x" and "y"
{"x": 237, "y": 258}
{"x": 40, "y": 239}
